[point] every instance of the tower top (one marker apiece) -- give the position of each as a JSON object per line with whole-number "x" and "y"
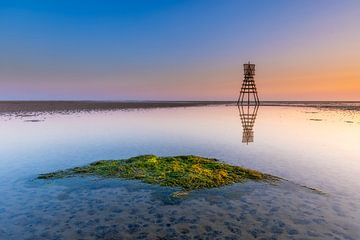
{"x": 249, "y": 69}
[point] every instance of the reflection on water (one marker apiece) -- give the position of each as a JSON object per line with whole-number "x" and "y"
{"x": 248, "y": 116}
{"x": 320, "y": 154}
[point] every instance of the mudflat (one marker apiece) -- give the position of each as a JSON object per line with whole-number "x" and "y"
{"x": 64, "y": 106}
{"x": 55, "y": 106}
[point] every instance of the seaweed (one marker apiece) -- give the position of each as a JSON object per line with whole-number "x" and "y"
{"x": 187, "y": 172}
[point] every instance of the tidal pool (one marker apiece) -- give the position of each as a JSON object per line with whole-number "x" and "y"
{"x": 279, "y": 140}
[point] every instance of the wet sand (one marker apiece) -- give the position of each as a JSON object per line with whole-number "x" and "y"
{"x": 59, "y": 106}
{"x": 325, "y": 105}
{"x": 73, "y": 106}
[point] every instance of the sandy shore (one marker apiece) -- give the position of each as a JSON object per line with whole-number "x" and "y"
{"x": 335, "y": 105}
{"x": 64, "y": 106}
{"x": 55, "y": 106}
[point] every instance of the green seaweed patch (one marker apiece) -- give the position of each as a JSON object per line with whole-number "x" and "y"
{"x": 188, "y": 172}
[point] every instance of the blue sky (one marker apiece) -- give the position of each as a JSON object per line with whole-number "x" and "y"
{"x": 135, "y": 50}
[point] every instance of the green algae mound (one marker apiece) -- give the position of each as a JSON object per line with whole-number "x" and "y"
{"x": 188, "y": 172}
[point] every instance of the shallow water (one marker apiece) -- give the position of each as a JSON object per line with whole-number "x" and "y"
{"x": 307, "y": 146}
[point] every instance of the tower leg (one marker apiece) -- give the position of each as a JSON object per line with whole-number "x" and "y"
{"x": 238, "y": 101}
{"x": 248, "y": 92}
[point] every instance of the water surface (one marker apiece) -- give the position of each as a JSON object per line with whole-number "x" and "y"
{"x": 318, "y": 148}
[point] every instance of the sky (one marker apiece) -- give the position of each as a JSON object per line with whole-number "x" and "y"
{"x": 178, "y": 50}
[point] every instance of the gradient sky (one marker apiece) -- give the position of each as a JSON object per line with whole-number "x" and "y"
{"x": 178, "y": 50}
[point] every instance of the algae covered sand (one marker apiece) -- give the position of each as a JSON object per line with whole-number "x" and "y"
{"x": 188, "y": 172}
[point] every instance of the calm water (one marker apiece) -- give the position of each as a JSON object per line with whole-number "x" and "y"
{"x": 309, "y": 147}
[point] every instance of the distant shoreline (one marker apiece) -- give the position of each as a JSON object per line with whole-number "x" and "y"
{"x": 59, "y": 106}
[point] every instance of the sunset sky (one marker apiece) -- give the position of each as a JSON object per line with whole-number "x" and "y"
{"x": 178, "y": 50}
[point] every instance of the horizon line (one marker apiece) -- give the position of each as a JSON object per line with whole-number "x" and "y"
{"x": 88, "y": 100}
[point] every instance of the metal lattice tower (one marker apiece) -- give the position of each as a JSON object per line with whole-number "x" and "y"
{"x": 248, "y": 92}
{"x": 248, "y": 116}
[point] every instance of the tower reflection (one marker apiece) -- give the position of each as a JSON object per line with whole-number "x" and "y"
{"x": 248, "y": 116}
